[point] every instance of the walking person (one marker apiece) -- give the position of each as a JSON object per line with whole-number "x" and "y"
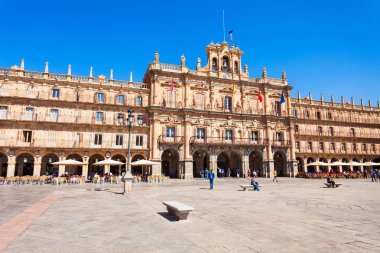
{"x": 206, "y": 173}
{"x": 373, "y": 175}
{"x": 211, "y": 178}
{"x": 248, "y": 173}
{"x": 275, "y": 175}
{"x": 254, "y": 174}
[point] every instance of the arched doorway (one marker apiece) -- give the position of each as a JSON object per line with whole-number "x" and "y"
{"x": 46, "y": 167}
{"x": 377, "y": 160}
{"x": 324, "y": 169}
{"x": 92, "y": 169}
{"x": 256, "y": 163}
{"x": 137, "y": 170}
{"x": 311, "y": 168}
{"x": 170, "y": 163}
{"x": 24, "y": 165}
{"x": 201, "y": 161}
{"x": 300, "y": 165}
{"x": 356, "y": 168}
{"x": 118, "y": 169}
{"x": 230, "y": 162}
{"x": 346, "y": 167}
{"x": 74, "y": 170}
{"x": 334, "y": 168}
{"x": 279, "y": 159}
{"x": 3, "y": 165}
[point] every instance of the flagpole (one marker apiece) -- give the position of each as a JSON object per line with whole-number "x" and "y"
{"x": 224, "y": 29}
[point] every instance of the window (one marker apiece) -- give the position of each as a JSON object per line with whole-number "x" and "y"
{"x": 139, "y": 101}
{"x": 319, "y": 130}
{"x": 373, "y": 148}
{"x": 277, "y": 108}
{"x": 321, "y": 146}
{"x": 55, "y": 93}
{"x": 297, "y": 145}
{"x": 119, "y": 140}
{"x": 236, "y": 67}
{"x": 120, "y": 99}
{"x": 98, "y": 139}
{"x": 99, "y": 117}
{"x": 29, "y": 112}
{"x": 354, "y": 147}
{"x": 54, "y": 114}
{"x": 364, "y": 147}
{"x": 227, "y": 103}
{"x": 77, "y": 96}
{"x": 200, "y": 133}
{"x": 331, "y": 131}
{"x": 352, "y": 132}
{"x": 120, "y": 119}
{"x": 27, "y": 136}
{"x": 3, "y": 112}
{"x": 309, "y": 145}
{"x": 332, "y": 146}
{"x": 170, "y": 99}
{"x": 139, "y": 140}
{"x": 295, "y": 113}
{"x": 296, "y": 129}
{"x": 307, "y": 114}
{"x": 343, "y": 146}
{"x": 170, "y": 132}
{"x": 100, "y": 97}
{"x": 318, "y": 115}
{"x": 228, "y": 135}
{"x": 199, "y": 100}
{"x": 225, "y": 64}
{"x": 279, "y": 136}
{"x": 329, "y": 115}
{"x": 255, "y": 135}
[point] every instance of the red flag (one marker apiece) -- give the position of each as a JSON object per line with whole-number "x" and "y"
{"x": 260, "y": 97}
{"x": 172, "y": 87}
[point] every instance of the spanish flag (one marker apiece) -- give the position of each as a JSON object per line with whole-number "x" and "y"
{"x": 233, "y": 89}
{"x": 259, "y": 97}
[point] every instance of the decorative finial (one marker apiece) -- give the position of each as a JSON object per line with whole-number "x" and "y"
{"x": 332, "y": 98}
{"x": 342, "y": 99}
{"x": 361, "y": 102}
{"x": 198, "y": 62}
{"x": 369, "y": 103}
{"x": 131, "y": 76}
{"x": 91, "y": 71}
{"x": 264, "y": 72}
{"x": 310, "y": 95}
{"x": 284, "y": 76}
{"x": 69, "y": 70}
{"x": 156, "y": 56}
{"x": 352, "y": 100}
{"x": 321, "y": 97}
{"x": 378, "y": 104}
{"x": 183, "y": 60}
{"x": 22, "y": 64}
{"x": 111, "y": 74}
{"x": 299, "y": 94}
{"x": 46, "y": 67}
{"x": 245, "y": 68}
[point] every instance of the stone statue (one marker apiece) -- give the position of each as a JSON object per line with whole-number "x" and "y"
{"x": 264, "y": 72}
{"x": 183, "y": 60}
{"x": 156, "y": 57}
{"x": 284, "y": 75}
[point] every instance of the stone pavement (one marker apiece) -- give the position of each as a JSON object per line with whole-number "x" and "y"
{"x": 293, "y": 215}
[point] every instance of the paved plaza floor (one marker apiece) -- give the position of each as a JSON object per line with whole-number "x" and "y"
{"x": 293, "y": 215}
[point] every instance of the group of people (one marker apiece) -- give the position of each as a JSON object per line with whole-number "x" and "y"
{"x": 222, "y": 173}
{"x": 333, "y": 174}
{"x": 375, "y": 175}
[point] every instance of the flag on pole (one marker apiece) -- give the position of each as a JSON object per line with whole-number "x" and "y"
{"x": 259, "y": 97}
{"x": 282, "y": 100}
{"x": 172, "y": 87}
{"x": 233, "y": 89}
{"x": 231, "y": 36}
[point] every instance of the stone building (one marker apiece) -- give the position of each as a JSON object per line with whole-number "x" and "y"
{"x": 213, "y": 117}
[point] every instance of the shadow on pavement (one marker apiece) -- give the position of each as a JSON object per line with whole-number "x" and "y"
{"x": 167, "y": 216}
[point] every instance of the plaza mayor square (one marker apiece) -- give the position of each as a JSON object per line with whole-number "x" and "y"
{"x": 190, "y": 126}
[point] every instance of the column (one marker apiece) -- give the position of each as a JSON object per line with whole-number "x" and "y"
{"x": 245, "y": 165}
{"x": 329, "y": 166}
{"x": 61, "y": 168}
{"x": 213, "y": 164}
{"x": 266, "y": 102}
{"x": 305, "y": 165}
{"x": 37, "y": 166}
{"x": 85, "y": 167}
{"x": 188, "y": 159}
{"x": 292, "y": 150}
{"x": 270, "y": 169}
{"x": 106, "y": 169}
{"x": 11, "y": 166}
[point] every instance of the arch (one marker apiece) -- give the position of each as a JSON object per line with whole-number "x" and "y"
{"x": 300, "y": 165}
{"x": 256, "y": 162}
{"x": 312, "y": 168}
{"x": 95, "y": 169}
{"x": 214, "y": 64}
{"x": 137, "y": 170}
{"x": 3, "y": 165}
{"x": 346, "y": 167}
{"x": 236, "y": 67}
{"x": 225, "y": 63}
{"x": 376, "y": 160}
{"x": 323, "y": 168}
{"x": 170, "y": 163}
{"x": 74, "y": 170}
{"x": 201, "y": 161}
{"x": 279, "y": 159}
{"x": 334, "y": 168}
{"x": 356, "y": 168}
{"x": 118, "y": 169}
{"x": 230, "y": 163}
{"x": 46, "y": 166}
{"x": 24, "y": 165}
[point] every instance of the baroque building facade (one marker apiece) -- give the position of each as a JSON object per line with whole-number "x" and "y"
{"x": 210, "y": 117}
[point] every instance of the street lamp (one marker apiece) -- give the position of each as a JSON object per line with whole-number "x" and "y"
{"x": 128, "y": 177}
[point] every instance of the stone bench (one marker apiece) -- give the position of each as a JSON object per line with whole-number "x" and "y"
{"x": 329, "y": 185}
{"x": 245, "y": 187}
{"x": 179, "y": 210}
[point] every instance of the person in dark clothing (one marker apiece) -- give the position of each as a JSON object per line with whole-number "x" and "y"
{"x": 211, "y": 178}
{"x": 255, "y": 185}
{"x": 330, "y": 181}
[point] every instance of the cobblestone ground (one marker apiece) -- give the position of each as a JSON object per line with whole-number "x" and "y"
{"x": 293, "y": 215}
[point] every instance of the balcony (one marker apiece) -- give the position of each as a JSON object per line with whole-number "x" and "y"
{"x": 281, "y": 144}
{"x": 337, "y": 134}
{"x": 348, "y": 151}
{"x": 222, "y": 141}
{"x": 176, "y": 140}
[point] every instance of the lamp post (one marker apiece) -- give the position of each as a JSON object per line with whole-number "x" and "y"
{"x": 128, "y": 177}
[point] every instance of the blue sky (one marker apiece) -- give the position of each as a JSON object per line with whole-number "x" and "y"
{"x": 331, "y": 47}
